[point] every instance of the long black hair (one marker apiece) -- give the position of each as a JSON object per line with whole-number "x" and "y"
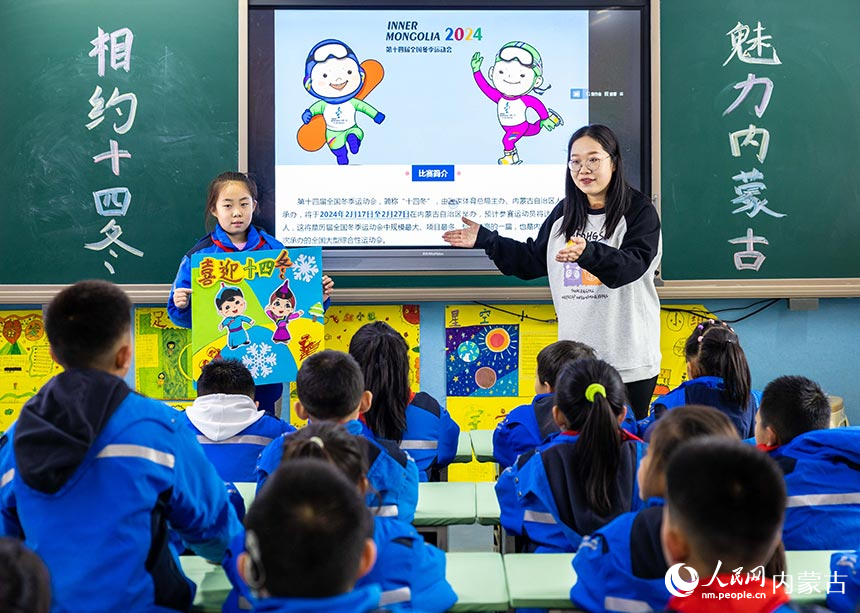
{"x": 599, "y": 442}
{"x": 618, "y": 195}
{"x": 384, "y": 359}
{"x": 715, "y": 349}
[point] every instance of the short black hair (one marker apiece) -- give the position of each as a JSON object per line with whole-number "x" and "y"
{"x": 230, "y": 293}
{"x": 24, "y": 581}
{"x": 552, "y": 357}
{"x": 329, "y": 384}
{"x": 228, "y": 376}
{"x": 792, "y": 405}
{"x": 306, "y": 531}
{"x": 85, "y": 321}
{"x": 728, "y": 498}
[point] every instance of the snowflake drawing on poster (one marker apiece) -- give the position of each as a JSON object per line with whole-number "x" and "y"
{"x": 305, "y": 268}
{"x": 260, "y": 360}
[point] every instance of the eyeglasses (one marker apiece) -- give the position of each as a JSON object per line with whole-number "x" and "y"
{"x": 592, "y": 163}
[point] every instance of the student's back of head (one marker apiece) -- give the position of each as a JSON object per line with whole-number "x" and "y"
{"x": 726, "y": 501}
{"x": 552, "y": 357}
{"x": 714, "y": 350}
{"x": 332, "y": 443}
{"x": 670, "y": 432}
{"x": 591, "y": 396}
{"x": 330, "y": 385}
{"x": 384, "y": 359}
{"x": 791, "y": 406}
{"x": 25, "y": 586}
{"x": 228, "y": 376}
{"x": 308, "y": 533}
{"x": 87, "y": 323}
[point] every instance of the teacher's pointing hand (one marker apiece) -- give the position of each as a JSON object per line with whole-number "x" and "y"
{"x": 465, "y": 237}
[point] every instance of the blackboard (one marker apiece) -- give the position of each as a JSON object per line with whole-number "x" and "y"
{"x": 809, "y": 170}
{"x": 180, "y": 61}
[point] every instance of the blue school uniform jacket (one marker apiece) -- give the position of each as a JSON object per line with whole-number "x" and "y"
{"x": 359, "y": 600}
{"x": 218, "y": 241}
{"x": 233, "y": 433}
{"x": 392, "y": 474}
{"x": 431, "y": 436}
{"x": 529, "y": 425}
{"x": 822, "y": 479}
{"x": 94, "y": 477}
{"x": 621, "y": 566}
{"x": 709, "y": 392}
{"x": 410, "y": 572}
{"x": 541, "y": 497}
{"x": 844, "y": 569}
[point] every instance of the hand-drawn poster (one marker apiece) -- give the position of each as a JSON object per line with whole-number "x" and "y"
{"x": 261, "y": 307}
{"x": 490, "y": 363}
{"x": 25, "y": 361}
{"x": 162, "y": 356}
{"x": 676, "y": 324}
{"x": 343, "y": 321}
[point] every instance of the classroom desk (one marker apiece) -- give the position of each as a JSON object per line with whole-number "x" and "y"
{"x": 810, "y": 568}
{"x": 248, "y": 491}
{"x": 478, "y": 580}
{"x": 487, "y": 508}
{"x": 464, "y": 449}
{"x": 539, "y": 580}
{"x": 482, "y": 443}
{"x": 445, "y": 504}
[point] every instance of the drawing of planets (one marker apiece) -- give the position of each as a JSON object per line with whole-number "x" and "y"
{"x": 468, "y": 351}
{"x": 482, "y": 360}
{"x": 498, "y": 339}
{"x": 485, "y": 377}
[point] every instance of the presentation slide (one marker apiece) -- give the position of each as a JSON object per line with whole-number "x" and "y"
{"x": 391, "y": 125}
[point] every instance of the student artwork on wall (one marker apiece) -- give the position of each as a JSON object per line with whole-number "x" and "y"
{"x": 343, "y": 321}
{"x": 261, "y": 307}
{"x": 490, "y": 357}
{"x": 162, "y": 356}
{"x": 676, "y": 324}
{"x": 25, "y": 361}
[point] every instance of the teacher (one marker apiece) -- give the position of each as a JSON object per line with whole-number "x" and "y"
{"x": 600, "y": 247}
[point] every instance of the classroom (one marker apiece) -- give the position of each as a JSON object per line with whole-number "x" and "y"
{"x": 333, "y": 177}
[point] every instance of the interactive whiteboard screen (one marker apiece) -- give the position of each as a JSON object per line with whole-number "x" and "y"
{"x": 389, "y": 125}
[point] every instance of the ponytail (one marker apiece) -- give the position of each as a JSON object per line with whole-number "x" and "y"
{"x": 717, "y": 352}
{"x": 591, "y": 396}
{"x": 331, "y": 443}
{"x": 384, "y": 359}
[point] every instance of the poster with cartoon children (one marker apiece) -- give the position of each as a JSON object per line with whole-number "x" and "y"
{"x": 261, "y": 307}
{"x": 334, "y": 76}
{"x": 516, "y": 74}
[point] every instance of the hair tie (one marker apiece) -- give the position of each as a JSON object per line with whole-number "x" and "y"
{"x": 317, "y": 441}
{"x": 700, "y": 326}
{"x": 592, "y": 390}
{"x": 700, "y": 339}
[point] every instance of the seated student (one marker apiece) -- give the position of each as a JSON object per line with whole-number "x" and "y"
{"x": 308, "y": 539}
{"x": 330, "y": 387}
{"x": 725, "y": 502}
{"x": 844, "y": 570}
{"x": 621, "y": 566}
{"x": 227, "y": 422}
{"x": 821, "y": 466}
{"x": 582, "y": 478}
{"x": 718, "y": 376}
{"x": 416, "y": 422}
{"x": 410, "y": 572}
{"x": 527, "y": 426}
{"x": 96, "y": 476}
{"x": 25, "y": 586}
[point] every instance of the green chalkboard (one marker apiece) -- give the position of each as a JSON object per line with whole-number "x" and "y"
{"x": 180, "y": 61}
{"x": 809, "y": 171}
